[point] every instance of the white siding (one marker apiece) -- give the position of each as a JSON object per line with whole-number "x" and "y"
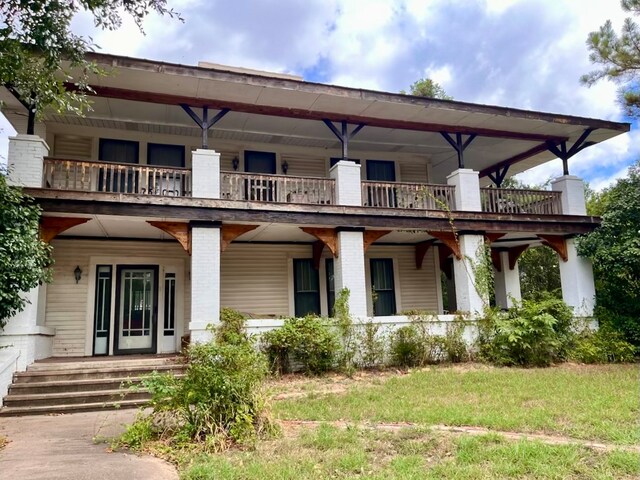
{"x": 413, "y": 172}
{"x": 305, "y": 166}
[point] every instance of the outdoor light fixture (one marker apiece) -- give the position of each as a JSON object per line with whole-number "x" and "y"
{"x": 235, "y": 162}
{"x": 285, "y": 167}
{"x": 77, "y": 273}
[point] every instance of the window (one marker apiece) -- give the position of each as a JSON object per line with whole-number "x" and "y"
{"x": 169, "y": 304}
{"x": 102, "y": 313}
{"x": 119, "y": 151}
{"x": 165, "y": 155}
{"x": 306, "y": 287}
{"x": 116, "y": 178}
{"x": 331, "y": 286}
{"x": 383, "y": 287}
{"x": 260, "y": 162}
{"x": 381, "y": 170}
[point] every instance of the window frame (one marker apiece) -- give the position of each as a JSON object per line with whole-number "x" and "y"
{"x": 181, "y": 148}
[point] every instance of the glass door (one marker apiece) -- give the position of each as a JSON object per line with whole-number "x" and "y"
{"x": 136, "y": 308}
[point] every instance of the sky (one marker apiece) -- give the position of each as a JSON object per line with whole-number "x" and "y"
{"x": 516, "y": 53}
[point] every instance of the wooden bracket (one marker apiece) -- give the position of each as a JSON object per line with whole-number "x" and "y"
{"x": 178, "y": 230}
{"x": 557, "y": 243}
{"x": 421, "y": 250}
{"x": 450, "y": 239}
{"x": 50, "y": 227}
{"x": 328, "y": 236}
{"x": 370, "y": 236}
{"x": 317, "y": 248}
{"x": 514, "y": 255}
{"x": 495, "y": 259}
{"x": 230, "y": 232}
{"x": 491, "y": 237}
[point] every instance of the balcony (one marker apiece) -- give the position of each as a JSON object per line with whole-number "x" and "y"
{"x": 517, "y": 201}
{"x": 408, "y": 195}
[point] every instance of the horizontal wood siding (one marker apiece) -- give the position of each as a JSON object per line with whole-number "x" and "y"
{"x": 305, "y": 166}
{"x": 66, "y": 307}
{"x": 413, "y": 172}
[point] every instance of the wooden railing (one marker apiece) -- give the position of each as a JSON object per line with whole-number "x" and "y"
{"x": 277, "y": 188}
{"x": 92, "y": 176}
{"x": 408, "y": 195}
{"x": 537, "y": 202}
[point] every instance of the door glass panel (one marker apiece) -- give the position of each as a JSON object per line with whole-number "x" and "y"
{"x": 136, "y": 309}
{"x": 102, "y": 314}
{"x": 306, "y": 286}
{"x": 383, "y": 287}
{"x": 331, "y": 289}
{"x": 169, "y": 304}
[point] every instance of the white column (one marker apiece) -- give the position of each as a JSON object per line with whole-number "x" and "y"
{"x": 468, "y": 298}
{"x": 507, "y": 283}
{"x": 205, "y": 173}
{"x": 347, "y": 177}
{"x": 205, "y": 280}
{"x": 349, "y": 271}
{"x": 576, "y": 274}
{"x": 467, "y": 194}
{"x": 576, "y": 278}
{"x": 26, "y": 160}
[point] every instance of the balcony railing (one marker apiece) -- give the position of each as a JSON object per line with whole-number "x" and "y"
{"x": 408, "y": 195}
{"x": 116, "y": 177}
{"x": 537, "y": 202}
{"x": 277, "y": 188}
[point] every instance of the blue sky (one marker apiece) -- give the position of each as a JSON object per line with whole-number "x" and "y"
{"x": 518, "y": 53}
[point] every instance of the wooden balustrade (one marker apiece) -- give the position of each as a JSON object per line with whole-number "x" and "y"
{"x": 116, "y": 177}
{"x": 505, "y": 200}
{"x": 408, "y": 195}
{"x": 277, "y": 188}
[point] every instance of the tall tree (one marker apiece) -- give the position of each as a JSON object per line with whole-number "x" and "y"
{"x": 40, "y": 53}
{"x": 618, "y": 56}
{"x": 425, "y": 87}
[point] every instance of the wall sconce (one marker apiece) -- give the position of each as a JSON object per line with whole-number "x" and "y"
{"x": 284, "y": 166}
{"x": 234, "y": 163}
{"x": 77, "y": 273}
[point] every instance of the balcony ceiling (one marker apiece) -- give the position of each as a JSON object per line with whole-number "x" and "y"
{"x": 142, "y": 95}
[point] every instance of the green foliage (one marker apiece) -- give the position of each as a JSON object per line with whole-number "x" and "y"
{"x": 24, "y": 258}
{"x": 308, "y": 341}
{"x": 371, "y": 346}
{"x": 138, "y": 433}
{"x": 618, "y": 57}
{"x": 539, "y": 273}
{"x": 348, "y": 340}
{"x": 232, "y": 327}
{"x": 535, "y": 333}
{"x": 614, "y": 249}
{"x": 425, "y": 87}
{"x": 602, "y": 346}
{"x": 453, "y": 344}
{"x": 40, "y": 52}
{"x": 406, "y": 347}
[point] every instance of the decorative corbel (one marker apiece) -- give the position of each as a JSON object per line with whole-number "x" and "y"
{"x": 178, "y": 230}
{"x": 230, "y": 232}
{"x": 370, "y": 236}
{"x": 328, "y": 236}
{"x": 421, "y": 250}
{"x": 51, "y": 227}
{"x": 450, "y": 239}
{"x": 557, "y": 243}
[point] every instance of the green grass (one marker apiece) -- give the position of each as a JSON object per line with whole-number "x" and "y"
{"x": 410, "y": 454}
{"x": 591, "y": 402}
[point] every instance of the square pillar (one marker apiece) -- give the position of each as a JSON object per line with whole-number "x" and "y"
{"x": 205, "y": 174}
{"x": 576, "y": 278}
{"x": 26, "y": 160}
{"x": 507, "y": 283}
{"x": 347, "y": 177}
{"x": 572, "y": 199}
{"x": 468, "y": 299}
{"x": 467, "y": 194}
{"x": 205, "y": 280}
{"x": 349, "y": 271}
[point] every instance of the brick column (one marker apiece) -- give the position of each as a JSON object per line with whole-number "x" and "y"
{"x": 347, "y": 177}
{"x": 205, "y": 173}
{"x": 26, "y": 157}
{"x": 467, "y": 194}
{"x": 507, "y": 283}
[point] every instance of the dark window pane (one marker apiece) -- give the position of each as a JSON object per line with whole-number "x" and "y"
{"x": 383, "y": 286}
{"x": 102, "y": 314}
{"x": 331, "y": 290}
{"x": 306, "y": 285}
{"x": 381, "y": 170}
{"x": 120, "y": 151}
{"x": 165, "y": 155}
{"x": 260, "y": 162}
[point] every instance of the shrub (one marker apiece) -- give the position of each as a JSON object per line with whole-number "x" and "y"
{"x": 308, "y": 341}
{"x": 454, "y": 346}
{"x": 371, "y": 346}
{"x": 413, "y": 345}
{"x": 231, "y": 329}
{"x": 530, "y": 334}
{"x": 602, "y": 346}
{"x": 346, "y": 358}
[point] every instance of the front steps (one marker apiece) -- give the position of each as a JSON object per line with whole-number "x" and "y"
{"x": 66, "y": 385}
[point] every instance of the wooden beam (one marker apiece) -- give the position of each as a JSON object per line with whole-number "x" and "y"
{"x": 421, "y": 250}
{"x": 491, "y": 237}
{"x": 170, "y": 99}
{"x": 516, "y": 158}
{"x": 557, "y": 243}
{"x": 328, "y": 236}
{"x": 370, "y": 236}
{"x": 514, "y": 254}
{"x": 495, "y": 259}
{"x": 450, "y": 239}
{"x": 230, "y": 232}
{"x": 51, "y": 227}
{"x": 317, "y": 248}
{"x": 178, "y": 230}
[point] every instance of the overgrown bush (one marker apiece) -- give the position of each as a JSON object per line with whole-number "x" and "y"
{"x": 454, "y": 346}
{"x": 602, "y": 346}
{"x": 413, "y": 345}
{"x": 533, "y": 333}
{"x": 346, "y": 357}
{"x": 371, "y": 346}
{"x": 309, "y": 341}
{"x": 232, "y": 327}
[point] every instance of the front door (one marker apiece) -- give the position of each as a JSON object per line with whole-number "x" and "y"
{"x": 136, "y": 309}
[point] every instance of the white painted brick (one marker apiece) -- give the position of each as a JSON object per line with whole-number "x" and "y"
{"x": 25, "y": 160}
{"x": 347, "y": 177}
{"x": 467, "y": 193}
{"x": 349, "y": 271}
{"x": 507, "y": 283}
{"x": 468, "y": 298}
{"x": 576, "y": 277}
{"x": 572, "y": 189}
{"x": 205, "y": 281}
{"x": 205, "y": 172}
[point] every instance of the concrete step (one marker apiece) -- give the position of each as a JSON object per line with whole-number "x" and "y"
{"x": 40, "y": 375}
{"x": 74, "y": 398}
{"x": 84, "y": 385}
{"x": 51, "y": 365}
{"x": 69, "y": 408}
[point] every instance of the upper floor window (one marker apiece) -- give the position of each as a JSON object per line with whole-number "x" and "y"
{"x": 165, "y": 155}
{"x": 120, "y": 151}
{"x": 381, "y": 170}
{"x": 260, "y": 162}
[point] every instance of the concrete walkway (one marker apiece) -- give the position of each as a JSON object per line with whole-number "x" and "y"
{"x": 62, "y": 447}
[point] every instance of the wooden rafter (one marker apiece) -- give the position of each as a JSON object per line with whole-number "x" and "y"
{"x": 514, "y": 255}
{"x": 178, "y": 230}
{"x": 231, "y": 231}
{"x": 370, "y": 236}
{"x": 557, "y": 243}
{"x": 51, "y": 227}
{"x": 328, "y": 236}
{"x": 450, "y": 239}
{"x": 317, "y": 249}
{"x": 421, "y": 250}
